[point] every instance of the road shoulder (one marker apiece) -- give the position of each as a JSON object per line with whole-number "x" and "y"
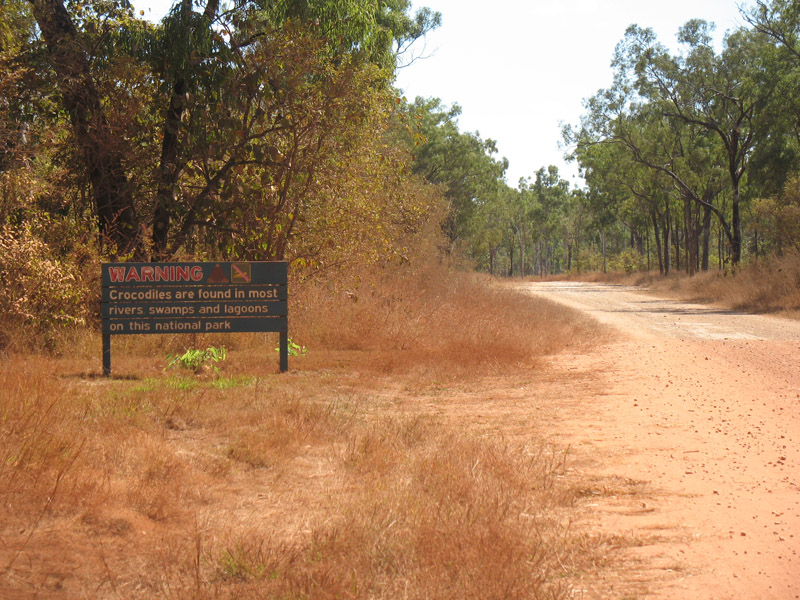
{"x": 701, "y": 440}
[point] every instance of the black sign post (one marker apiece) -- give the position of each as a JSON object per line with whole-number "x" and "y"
{"x": 216, "y": 297}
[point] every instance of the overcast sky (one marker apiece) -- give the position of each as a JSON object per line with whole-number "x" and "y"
{"x": 520, "y": 68}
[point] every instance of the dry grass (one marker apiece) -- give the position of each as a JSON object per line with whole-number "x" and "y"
{"x": 331, "y": 481}
{"x": 770, "y": 285}
{"x": 435, "y": 320}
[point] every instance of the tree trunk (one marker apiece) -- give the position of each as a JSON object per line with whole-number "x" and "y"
{"x": 98, "y": 144}
{"x": 690, "y": 236}
{"x": 736, "y": 225}
{"x": 706, "y": 238}
{"x": 169, "y": 170}
{"x": 604, "y": 249}
{"x": 170, "y": 165}
{"x": 511, "y": 256}
{"x": 569, "y": 257}
{"x": 755, "y": 244}
{"x": 676, "y": 231}
{"x": 667, "y": 241}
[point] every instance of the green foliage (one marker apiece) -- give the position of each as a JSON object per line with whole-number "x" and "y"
{"x": 628, "y": 261}
{"x": 295, "y": 349}
{"x": 680, "y": 143}
{"x": 776, "y": 219}
{"x": 226, "y": 383}
{"x": 254, "y": 130}
{"x": 463, "y": 165}
{"x": 588, "y": 260}
{"x": 240, "y": 563}
{"x": 175, "y": 382}
{"x": 243, "y": 130}
{"x": 225, "y": 125}
{"x": 197, "y": 360}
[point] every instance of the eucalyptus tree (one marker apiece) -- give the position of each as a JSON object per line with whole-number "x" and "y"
{"x": 632, "y": 192}
{"x": 521, "y": 224}
{"x": 464, "y": 165}
{"x": 630, "y": 159}
{"x": 491, "y": 229}
{"x": 204, "y": 54}
{"x": 607, "y": 169}
{"x": 694, "y": 118}
{"x": 687, "y": 165}
{"x": 541, "y": 215}
{"x": 229, "y": 79}
{"x": 716, "y": 93}
{"x": 70, "y": 58}
{"x": 778, "y": 19}
{"x": 777, "y": 154}
{"x": 16, "y": 29}
{"x": 575, "y": 227}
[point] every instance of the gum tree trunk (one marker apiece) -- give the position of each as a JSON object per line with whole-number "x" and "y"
{"x": 102, "y": 156}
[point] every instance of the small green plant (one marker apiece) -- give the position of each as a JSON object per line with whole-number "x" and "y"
{"x": 247, "y": 562}
{"x": 198, "y": 360}
{"x": 294, "y": 349}
{"x": 225, "y": 383}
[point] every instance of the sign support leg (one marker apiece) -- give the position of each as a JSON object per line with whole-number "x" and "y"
{"x": 284, "y": 350}
{"x": 106, "y": 354}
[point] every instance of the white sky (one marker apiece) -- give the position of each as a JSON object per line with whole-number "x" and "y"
{"x": 519, "y": 68}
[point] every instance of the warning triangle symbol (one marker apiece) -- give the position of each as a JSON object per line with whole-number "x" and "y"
{"x": 218, "y": 276}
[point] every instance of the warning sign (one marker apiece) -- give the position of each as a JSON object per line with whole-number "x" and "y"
{"x": 240, "y": 273}
{"x": 234, "y": 297}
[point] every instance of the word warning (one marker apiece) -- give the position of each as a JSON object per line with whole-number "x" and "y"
{"x": 216, "y": 297}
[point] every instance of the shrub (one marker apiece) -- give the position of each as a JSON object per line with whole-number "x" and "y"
{"x": 37, "y": 290}
{"x": 629, "y": 260}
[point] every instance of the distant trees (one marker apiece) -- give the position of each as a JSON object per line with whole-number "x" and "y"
{"x": 690, "y": 160}
{"x": 505, "y": 230}
{"x": 463, "y": 165}
{"x": 667, "y": 153}
{"x": 272, "y": 130}
{"x": 688, "y": 143}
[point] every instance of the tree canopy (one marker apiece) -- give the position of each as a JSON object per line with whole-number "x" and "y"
{"x": 264, "y": 130}
{"x": 223, "y": 120}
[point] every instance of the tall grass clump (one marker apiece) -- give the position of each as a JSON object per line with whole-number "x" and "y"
{"x": 422, "y": 512}
{"x": 433, "y": 316}
{"x": 39, "y": 469}
{"x": 770, "y": 284}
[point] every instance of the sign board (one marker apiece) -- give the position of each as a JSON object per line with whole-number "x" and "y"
{"x": 215, "y": 297}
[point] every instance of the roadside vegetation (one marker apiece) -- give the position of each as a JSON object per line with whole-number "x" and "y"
{"x": 247, "y": 132}
{"x": 350, "y": 476}
{"x": 771, "y": 285}
{"x": 768, "y": 285}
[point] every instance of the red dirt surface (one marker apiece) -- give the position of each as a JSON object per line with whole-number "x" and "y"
{"x": 695, "y": 411}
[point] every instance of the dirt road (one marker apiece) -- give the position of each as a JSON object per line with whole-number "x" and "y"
{"x": 695, "y": 411}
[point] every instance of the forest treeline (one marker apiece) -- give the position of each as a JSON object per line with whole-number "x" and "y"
{"x": 248, "y": 130}
{"x": 689, "y": 159}
{"x": 272, "y": 130}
